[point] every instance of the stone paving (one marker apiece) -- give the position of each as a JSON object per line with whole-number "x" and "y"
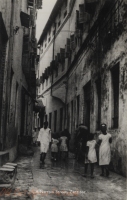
{"x": 63, "y": 181}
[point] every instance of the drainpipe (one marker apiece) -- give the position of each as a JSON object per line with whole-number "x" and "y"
{"x": 53, "y": 53}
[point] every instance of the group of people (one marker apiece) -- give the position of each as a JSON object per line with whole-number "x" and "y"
{"x": 59, "y": 143}
{"x": 60, "y": 146}
{"x": 104, "y": 141}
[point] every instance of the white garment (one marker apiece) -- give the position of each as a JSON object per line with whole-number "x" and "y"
{"x": 104, "y": 151}
{"x": 92, "y": 158}
{"x": 54, "y": 147}
{"x": 44, "y": 138}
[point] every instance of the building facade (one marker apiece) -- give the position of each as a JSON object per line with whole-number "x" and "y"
{"x": 17, "y": 71}
{"x": 83, "y": 70}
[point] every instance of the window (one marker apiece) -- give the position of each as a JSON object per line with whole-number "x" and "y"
{"x": 53, "y": 33}
{"x": 49, "y": 39}
{"x": 72, "y": 42}
{"x": 115, "y": 95}
{"x": 71, "y": 116}
{"x": 55, "y": 120}
{"x": 78, "y": 99}
{"x": 59, "y": 23}
{"x": 47, "y": 82}
{"x": 45, "y": 44}
{"x": 61, "y": 118}
{"x": 50, "y": 120}
{"x": 98, "y": 104}
{"x": 87, "y": 92}
{"x": 65, "y": 13}
{"x": 67, "y": 116}
{"x": 45, "y": 118}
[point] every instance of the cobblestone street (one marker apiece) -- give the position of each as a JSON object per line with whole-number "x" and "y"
{"x": 62, "y": 181}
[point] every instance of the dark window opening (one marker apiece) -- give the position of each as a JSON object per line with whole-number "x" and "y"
{"x": 98, "y": 116}
{"x": 55, "y": 120}
{"x": 50, "y": 120}
{"x": 59, "y": 23}
{"x": 78, "y": 99}
{"x": 67, "y": 116}
{"x": 49, "y": 39}
{"x": 65, "y": 13}
{"x": 115, "y": 96}
{"x": 61, "y": 118}
{"x": 45, "y": 118}
{"x": 71, "y": 116}
{"x": 87, "y": 92}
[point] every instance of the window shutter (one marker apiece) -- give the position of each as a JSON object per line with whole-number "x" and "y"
{"x": 58, "y": 57}
{"x": 25, "y": 63}
{"x": 33, "y": 32}
{"x": 78, "y": 33}
{"x": 49, "y": 71}
{"x": 39, "y": 4}
{"x": 67, "y": 48}
{"x": 62, "y": 54}
{"x": 32, "y": 17}
{"x": 25, "y": 44}
{"x": 25, "y": 19}
{"x": 43, "y": 78}
{"x": 77, "y": 20}
{"x": 46, "y": 73}
{"x": 30, "y": 3}
{"x": 56, "y": 61}
{"x": 72, "y": 42}
{"x": 81, "y": 13}
{"x": 52, "y": 64}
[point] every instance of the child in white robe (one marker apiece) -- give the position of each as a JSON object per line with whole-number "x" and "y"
{"x": 90, "y": 155}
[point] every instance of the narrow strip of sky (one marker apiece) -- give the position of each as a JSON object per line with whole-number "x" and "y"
{"x": 43, "y": 15}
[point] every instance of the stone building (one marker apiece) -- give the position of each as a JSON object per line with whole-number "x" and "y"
{"x": 83, "y": 70}
{"x": 17, "y": 72}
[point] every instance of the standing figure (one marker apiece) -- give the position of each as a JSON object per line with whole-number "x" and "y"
{"x": 45, "y": 138}
{"x": 63, "y": 145}
{"x": 105, "y": 140}
{"x": 54, "y": 148}
{"x": 90, "y": 155}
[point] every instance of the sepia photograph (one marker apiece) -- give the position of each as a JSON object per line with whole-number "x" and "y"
{"x": 63, "y": 99}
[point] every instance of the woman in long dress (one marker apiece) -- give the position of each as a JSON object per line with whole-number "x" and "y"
{"x": 105, "y": 140}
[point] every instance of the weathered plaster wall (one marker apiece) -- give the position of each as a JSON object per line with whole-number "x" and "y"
{"x": 87, "y": 69}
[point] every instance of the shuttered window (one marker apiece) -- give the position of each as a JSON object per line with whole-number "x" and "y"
{"x": 115, "y": 96}
{"x": 72, "y": 44}
{"x": 81, "y": 13}
{"x": 30, "y": 3}
{"x": 67, "y": 48}
{"x": 25, "y": 44}
{"x": 25, "y": 19}
{"x": 62, "y": 54}
{"x": 39, "y": 4}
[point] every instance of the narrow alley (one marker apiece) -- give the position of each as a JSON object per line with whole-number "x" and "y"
{"x": 62, "y": 180}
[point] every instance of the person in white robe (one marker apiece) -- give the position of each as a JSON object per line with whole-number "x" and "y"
{"x": 44, "y": 138}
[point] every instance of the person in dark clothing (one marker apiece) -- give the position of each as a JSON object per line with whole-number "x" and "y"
{"x": 82, "y": 138}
